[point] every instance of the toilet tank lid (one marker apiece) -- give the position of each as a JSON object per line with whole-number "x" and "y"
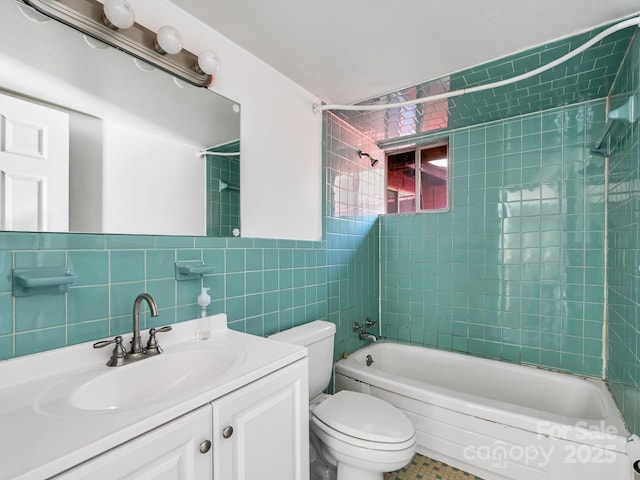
{"x": 306, "y": 334}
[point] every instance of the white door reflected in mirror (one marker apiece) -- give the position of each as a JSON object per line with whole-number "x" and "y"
{"x": 34, "y": 166}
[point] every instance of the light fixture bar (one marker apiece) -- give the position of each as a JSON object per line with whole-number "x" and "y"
{"x": 138, "y": 41}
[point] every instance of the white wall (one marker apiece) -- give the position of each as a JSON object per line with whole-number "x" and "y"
{"x": 85, "y": 173}
{"x": 281, "y": 137}
{"x": 161, "y": 203}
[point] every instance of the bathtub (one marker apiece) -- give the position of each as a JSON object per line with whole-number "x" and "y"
{"x": 494, "y": 419}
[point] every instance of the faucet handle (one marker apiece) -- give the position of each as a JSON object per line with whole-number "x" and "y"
{"x": 370, "y": 323}
{"x": 119, "y": 352}
{"x": 152, "y": 344}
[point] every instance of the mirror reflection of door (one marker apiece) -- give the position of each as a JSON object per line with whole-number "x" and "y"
{"x": 34, "y": 166}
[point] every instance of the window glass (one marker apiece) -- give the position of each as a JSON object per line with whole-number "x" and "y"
{"x": 411, "y": 189}
{"x": 434, "y": 175}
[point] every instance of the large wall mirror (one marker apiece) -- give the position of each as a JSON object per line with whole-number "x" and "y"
{"x": 99, "y": 143}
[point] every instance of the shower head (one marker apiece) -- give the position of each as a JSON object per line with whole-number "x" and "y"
{"x": 373, "y": 161}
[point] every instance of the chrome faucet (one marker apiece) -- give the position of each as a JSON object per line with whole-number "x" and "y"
{"x": 363, "y": 334}
{"x": 136, "y": 341}
{"x": 120, "y": 356}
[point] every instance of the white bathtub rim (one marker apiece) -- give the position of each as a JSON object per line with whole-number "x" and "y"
{"x": 472, "y": 358}
{"x": 609, "y": 433}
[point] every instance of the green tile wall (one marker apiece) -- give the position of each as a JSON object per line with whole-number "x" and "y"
{"x": 623, "y": 371}
{"x": 354, "y": 197}
{"x": 264, "y": 286}
{"x": 515, "y": 270}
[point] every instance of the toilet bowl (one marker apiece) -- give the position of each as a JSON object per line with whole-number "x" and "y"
{"x": 354, "y": 436}
{"x": 362, "y": 436}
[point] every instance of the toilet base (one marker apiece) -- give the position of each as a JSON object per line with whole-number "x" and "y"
{"x": 348, "y": 472}
{"x": 358, "y": 463}
{"x": 321, "y": 471}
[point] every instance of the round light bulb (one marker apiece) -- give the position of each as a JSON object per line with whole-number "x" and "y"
{"x": 168, "y": 40}
{"x": 208, "y": 63}
{"x": 118, "y": 14}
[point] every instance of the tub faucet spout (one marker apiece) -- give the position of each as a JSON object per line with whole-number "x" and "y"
{"x": 364, "y": 335}
{"x": 362, "y": 330}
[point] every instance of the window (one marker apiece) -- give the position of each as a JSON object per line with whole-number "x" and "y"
{"x": 411, "y": 189}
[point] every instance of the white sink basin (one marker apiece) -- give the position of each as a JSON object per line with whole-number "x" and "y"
{"x": 145, "y": 382}
{"x": 149, "y": 380}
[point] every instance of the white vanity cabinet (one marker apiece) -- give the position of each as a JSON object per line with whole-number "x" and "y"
{"x": 172, "y": 451}
{"x": 261, "y": 431}
{"x": 163, "y": 418}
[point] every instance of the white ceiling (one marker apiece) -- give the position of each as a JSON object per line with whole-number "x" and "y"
{"x": 344, "y": 51}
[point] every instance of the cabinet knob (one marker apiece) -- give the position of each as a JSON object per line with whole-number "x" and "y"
{"x": 205, "y": 446}
{"x": 227, "y": 432}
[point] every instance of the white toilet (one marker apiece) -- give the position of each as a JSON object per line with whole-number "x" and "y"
{"x": 358, "y": 435}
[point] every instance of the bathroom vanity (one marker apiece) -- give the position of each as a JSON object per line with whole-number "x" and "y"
{"x": 233, "y": 406}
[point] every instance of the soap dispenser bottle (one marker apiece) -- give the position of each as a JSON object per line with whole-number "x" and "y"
{"x": 204, "y": 299}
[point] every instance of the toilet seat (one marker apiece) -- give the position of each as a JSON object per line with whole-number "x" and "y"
{"x": 364, "y": 421}
{"x": 323, "y": 430}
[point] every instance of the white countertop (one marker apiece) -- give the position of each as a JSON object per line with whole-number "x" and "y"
{"x": 42, "y": 435}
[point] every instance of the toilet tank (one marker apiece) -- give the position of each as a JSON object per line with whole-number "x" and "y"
{"x": 318, "y": 337}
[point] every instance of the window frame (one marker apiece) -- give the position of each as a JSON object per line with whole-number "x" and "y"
{"x": 418, "y": 149}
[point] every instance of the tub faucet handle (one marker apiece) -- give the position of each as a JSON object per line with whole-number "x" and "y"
{"x": 370, "y": 323}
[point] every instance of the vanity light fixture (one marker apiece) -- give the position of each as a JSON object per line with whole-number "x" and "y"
{"x": 118, "y": 14}
{"x": 114, "y": 24}
{"x": 168, "y": 40}
{"x": 208, "y": 62}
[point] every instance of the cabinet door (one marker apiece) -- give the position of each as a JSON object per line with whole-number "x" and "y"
{"x": 169, "y": 452}
{"x": 270, "y": 422}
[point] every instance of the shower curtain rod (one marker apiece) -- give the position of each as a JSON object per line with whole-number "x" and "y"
{"x": 605, "y": 33}
{"x": 218, "y": 154}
